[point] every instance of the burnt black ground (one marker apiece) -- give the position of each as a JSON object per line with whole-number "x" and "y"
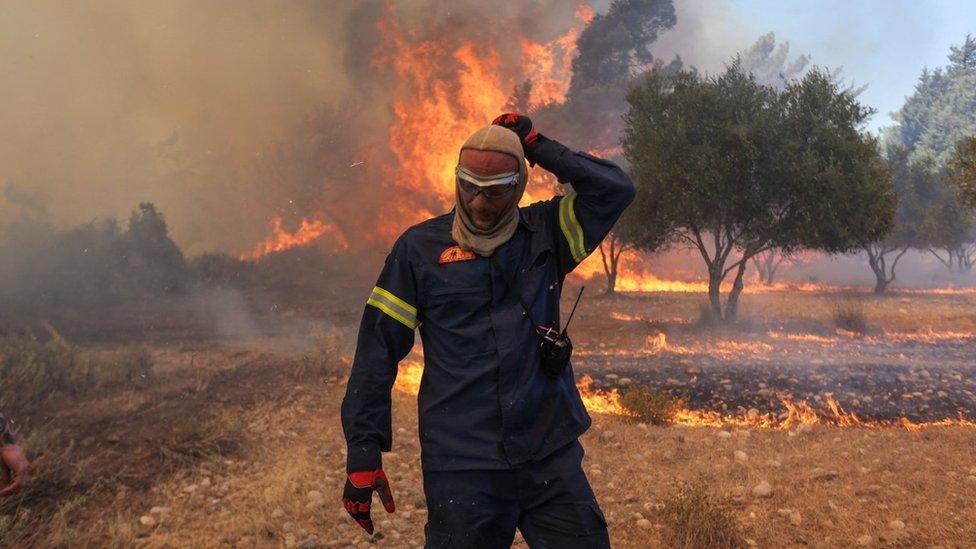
{"x": 920, "y": 382}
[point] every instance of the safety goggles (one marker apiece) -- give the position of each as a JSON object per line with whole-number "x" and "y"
{"x": 495, "y": 186}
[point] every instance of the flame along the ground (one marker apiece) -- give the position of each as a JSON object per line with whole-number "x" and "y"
{"x": 799, "y": 413}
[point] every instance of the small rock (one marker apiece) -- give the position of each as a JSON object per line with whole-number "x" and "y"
{"x": 897, "y": 524}
{"x": 795, "y": 518}
{"x": 159, "y": 511}
{"x": 190, "y": 488}
{"x": 644, "y": 524}
{"x": 724, "y": 434}
{"x": 277, "y": 513}
{"x": 865, "y": 540}
{"x": 762, "y": 490}
{"x": 205, "y": 483}
{"x": 624, "y": 381}
{"x": 147, "y": 521}
{"x": 741, "y": 456}
{"x": 774, "y": 463}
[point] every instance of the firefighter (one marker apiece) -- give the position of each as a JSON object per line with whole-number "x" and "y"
{"x": 13, "y": 464}
{"x": 498, "y": 431}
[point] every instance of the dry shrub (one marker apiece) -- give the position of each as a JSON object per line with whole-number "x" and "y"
{"x": 327, "y": 358}
{"x": 651, "y": 405}
{"x": 30, "y": 371}
{"x": 694, "y": 518}
{"x": 209, "y": 439}
{"x": 849, "y": 315}
{"x": 130, "y": 365}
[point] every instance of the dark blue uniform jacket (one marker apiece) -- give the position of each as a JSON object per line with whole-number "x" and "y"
{"x": 484, "y": 402}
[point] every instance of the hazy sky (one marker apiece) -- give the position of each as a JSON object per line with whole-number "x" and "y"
{"x": 189, "y": 104}
{"x": 882, "y": 43}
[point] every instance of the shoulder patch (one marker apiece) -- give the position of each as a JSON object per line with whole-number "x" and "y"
{"x": 454, "y": 254}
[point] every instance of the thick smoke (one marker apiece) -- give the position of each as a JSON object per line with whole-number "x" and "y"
{"x": 223, "y": 114}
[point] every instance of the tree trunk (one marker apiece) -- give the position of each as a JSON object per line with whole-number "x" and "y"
{"x": 732, "y": 303}
{"x": 771, "y": 274}
{"x": 612, "y": 280}
{"x": 880, "y": 285}
{"x": 714, "y": 291}
{"x": 880, "y": 277}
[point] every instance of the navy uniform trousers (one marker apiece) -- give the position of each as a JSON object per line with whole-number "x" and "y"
{"x": 549, "y": 501}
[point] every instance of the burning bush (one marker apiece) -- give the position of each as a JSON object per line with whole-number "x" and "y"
{"x": 651, "y": 405}
{"x": 849, "y": 315}
{"x": 694, "y": 518}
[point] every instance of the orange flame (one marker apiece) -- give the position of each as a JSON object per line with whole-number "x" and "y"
{"x": 448, "y": 89}
{"x": 281, "y": 240}
{"x": 798, "y": 412}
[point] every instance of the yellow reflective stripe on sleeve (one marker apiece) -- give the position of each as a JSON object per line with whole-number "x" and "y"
{"x": 571, "y": 227}
{"x": 393, "y": 306}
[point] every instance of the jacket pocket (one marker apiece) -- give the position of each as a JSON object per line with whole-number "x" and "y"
{"x": 456, "y": 290}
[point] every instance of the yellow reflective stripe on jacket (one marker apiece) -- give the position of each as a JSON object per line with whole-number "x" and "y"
{"x": 571, "y": 227}
{"x": 396, "y": 308}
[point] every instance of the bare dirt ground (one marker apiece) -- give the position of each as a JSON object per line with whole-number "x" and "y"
{"x": 238, "y": 443}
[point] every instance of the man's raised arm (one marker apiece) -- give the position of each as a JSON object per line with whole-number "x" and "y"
{"x": 601, "y": 191}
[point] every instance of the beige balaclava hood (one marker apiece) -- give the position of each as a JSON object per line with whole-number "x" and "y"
{"x": 465, "y": 233}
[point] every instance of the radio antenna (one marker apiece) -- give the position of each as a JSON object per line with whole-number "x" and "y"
{"x": 571, "y": 313}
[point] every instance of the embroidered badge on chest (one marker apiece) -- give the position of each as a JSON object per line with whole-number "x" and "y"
{"x": 454, "y": 254}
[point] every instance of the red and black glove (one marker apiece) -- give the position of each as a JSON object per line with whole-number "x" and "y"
{"x": 522, "y": 126}
{"x": 13, "y": 470}
{"x": 358, "y": 495}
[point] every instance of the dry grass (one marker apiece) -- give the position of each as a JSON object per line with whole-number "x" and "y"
{"x": 263, "y": 464}
{"x": 694, "y": 518}
{"x": 651, "y": 405}
{"x": 850, "y": 315}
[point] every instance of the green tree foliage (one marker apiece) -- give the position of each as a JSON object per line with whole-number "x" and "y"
{"x": 942, "y": 111}
{"x": 963, "y": 169}
{"x": 615, "y": 43}
{"x": 611, "y": 49}
{"x": 770, "y": 64}
{"x": 732, "y": 168}
{"x": 151, "y": 261}
{"x": 933, "y": 127}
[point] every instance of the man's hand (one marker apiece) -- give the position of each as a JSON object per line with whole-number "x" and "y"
{"x": 13, "y": 467}
{"x": 522, "y": 126}
{"x": 358, "y": 495}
